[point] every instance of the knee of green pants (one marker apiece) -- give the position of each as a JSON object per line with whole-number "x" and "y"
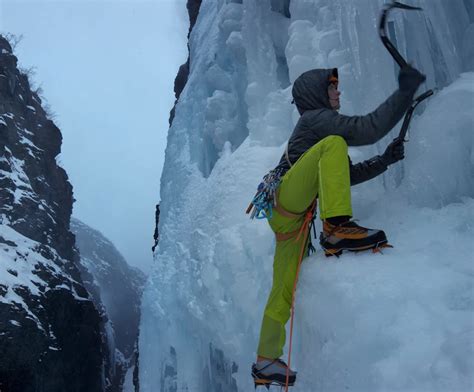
{"x": 279, "y": 303}
{"x": 336, "y": 141}
{"x": 272, "y": 338}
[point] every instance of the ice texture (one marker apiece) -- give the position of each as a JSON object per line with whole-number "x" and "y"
{"x": 401, "y": 321}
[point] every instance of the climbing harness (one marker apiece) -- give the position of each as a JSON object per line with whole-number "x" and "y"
{"x": 400, "y": 61}
{"x": 296, "y": 234}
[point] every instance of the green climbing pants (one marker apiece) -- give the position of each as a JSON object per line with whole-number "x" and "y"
{"x": 322, "y": 171}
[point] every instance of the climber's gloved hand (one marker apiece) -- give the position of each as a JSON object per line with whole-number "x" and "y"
{"x": 394, "y": 152}
{"x": 409, "y": 79}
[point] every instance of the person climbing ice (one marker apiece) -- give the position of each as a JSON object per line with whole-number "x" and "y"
{"x": 314, "y": 166}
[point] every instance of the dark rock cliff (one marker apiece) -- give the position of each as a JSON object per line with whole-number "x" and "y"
{"x": 51, "y": 332}
{"x": 117, "y": 286}
{"x": 181, "y": 79}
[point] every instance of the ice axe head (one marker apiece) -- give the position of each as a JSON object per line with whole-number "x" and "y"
{"x": 396, "y": 4}
{"x": 383, "y": 34}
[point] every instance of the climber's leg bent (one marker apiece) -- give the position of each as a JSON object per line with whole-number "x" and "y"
{"x": 323, "y": 170}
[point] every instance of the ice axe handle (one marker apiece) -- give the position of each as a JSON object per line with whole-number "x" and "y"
{"x": 393, "y": 51}
{"x": 409, "y": 114}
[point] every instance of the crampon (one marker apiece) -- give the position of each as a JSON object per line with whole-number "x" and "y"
{"x": 377, "y": 248}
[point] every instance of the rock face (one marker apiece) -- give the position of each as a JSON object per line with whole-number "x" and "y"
{"x": 118, "y": 287}
{"x": 51, "y": 332}
{"x": 181, "y": 79}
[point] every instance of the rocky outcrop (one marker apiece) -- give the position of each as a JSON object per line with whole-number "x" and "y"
{"x": 118, "y": 287}
{"x": 193, "y": 6}
{"x": 181, "y": 79}
{"x": 51, "y": 332}
{"x": 156, "y": 233}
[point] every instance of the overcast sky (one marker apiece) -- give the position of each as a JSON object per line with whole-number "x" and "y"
{"x": 107, "y": 70}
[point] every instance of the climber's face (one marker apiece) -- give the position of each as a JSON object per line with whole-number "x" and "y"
{"x": 333, "y": 94}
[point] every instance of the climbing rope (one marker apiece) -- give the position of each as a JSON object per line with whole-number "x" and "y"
{"x": 303, "y": 233}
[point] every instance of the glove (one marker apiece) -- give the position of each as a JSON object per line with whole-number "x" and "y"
{"x": 409, "y": 79}
{"x": 394, "y": 152}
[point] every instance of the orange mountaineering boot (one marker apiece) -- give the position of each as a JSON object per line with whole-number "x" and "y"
{"x": 348, "y": 235}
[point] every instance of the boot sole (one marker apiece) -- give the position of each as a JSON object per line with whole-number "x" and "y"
{"x": 375, "y": 248}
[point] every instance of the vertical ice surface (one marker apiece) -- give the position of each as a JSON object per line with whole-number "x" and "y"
{"x": 398, "y": 322}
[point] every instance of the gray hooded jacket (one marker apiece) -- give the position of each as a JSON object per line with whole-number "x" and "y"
{"x": 319, "y": 120}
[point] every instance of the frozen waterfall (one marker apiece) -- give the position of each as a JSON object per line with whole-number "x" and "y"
{"x": 401, "y": 321}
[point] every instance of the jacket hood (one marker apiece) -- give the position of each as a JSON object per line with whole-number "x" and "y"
{"x": 310, "y": 90}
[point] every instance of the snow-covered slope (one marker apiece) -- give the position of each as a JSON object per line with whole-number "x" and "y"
{"x": 401, "y": 321}
{"x": 51, "y": 333}
{"x": 117, "y": 286}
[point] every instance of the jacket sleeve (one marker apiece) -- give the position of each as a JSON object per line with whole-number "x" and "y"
{"x": 366, "y": 170}
{"x": 360, "y": 130}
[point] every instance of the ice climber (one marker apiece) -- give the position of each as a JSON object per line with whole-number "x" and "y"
{"x": 316, "y": 165}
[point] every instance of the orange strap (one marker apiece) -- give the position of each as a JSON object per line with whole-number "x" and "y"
{"x": 288, "y": 214}
{"x": 287, "y": 236}
{"x": 284, "y": 212}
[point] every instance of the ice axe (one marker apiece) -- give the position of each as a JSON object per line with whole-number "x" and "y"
{"x": 400, "y": 61}
{"x": 409, "y": 113}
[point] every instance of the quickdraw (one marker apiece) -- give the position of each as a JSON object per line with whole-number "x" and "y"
{"x": 264, "y": 201}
